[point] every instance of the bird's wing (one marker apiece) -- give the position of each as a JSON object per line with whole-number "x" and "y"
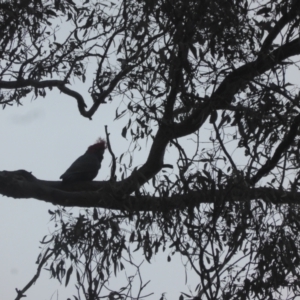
{"x": 83, "y": 165}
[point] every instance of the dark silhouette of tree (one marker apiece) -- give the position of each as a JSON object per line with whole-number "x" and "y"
{"x": 207, "y": 79}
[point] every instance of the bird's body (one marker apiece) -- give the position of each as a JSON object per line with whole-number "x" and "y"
{"x": 86, "y": 167}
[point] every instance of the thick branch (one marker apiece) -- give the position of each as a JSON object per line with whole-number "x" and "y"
{"x": 282, "y": 147}
{"x": 284, "y": 20}
{"x": 153, "y": 164}
{"x": 238, "y": 78}
{"x": 21, "y": 184}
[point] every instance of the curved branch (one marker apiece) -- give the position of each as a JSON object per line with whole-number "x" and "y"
{"x": 283, "y": 146}
{"x": 60, "y": 84}
{"x": 238, "y": 78}
{"x": 284, "y": 20}
{"x": 153, "y": 164}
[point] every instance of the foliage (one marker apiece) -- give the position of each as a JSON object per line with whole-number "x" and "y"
{"x": 207, "y": 80}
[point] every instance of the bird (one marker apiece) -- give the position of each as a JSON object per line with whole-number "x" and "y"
{"x": 86, "y": 166}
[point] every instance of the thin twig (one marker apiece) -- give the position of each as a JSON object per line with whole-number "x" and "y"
{"x": 47, "y": 255}
{"x": 113, "y": 167}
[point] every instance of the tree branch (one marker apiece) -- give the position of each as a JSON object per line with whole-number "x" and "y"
{"x": 45, "y": 258}
{"x": 284, "y": 20}
{"x": 282, "y": 147}
{"x": 113, "y": 167}
{"x": 223, "y": 96}
{"x": 60, "y": 84}
{"x": 21, "y": 184}
{"x": 153, "y": 164}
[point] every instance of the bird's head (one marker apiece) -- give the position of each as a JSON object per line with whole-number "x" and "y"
{"x": 98, "y": 148}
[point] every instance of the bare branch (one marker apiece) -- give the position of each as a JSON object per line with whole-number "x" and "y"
{"x": 21, "y": 293}
{"x": 113, "y": 168}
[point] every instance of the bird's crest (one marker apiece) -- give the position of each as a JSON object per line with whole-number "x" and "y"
{"x": 100, "y": 144}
